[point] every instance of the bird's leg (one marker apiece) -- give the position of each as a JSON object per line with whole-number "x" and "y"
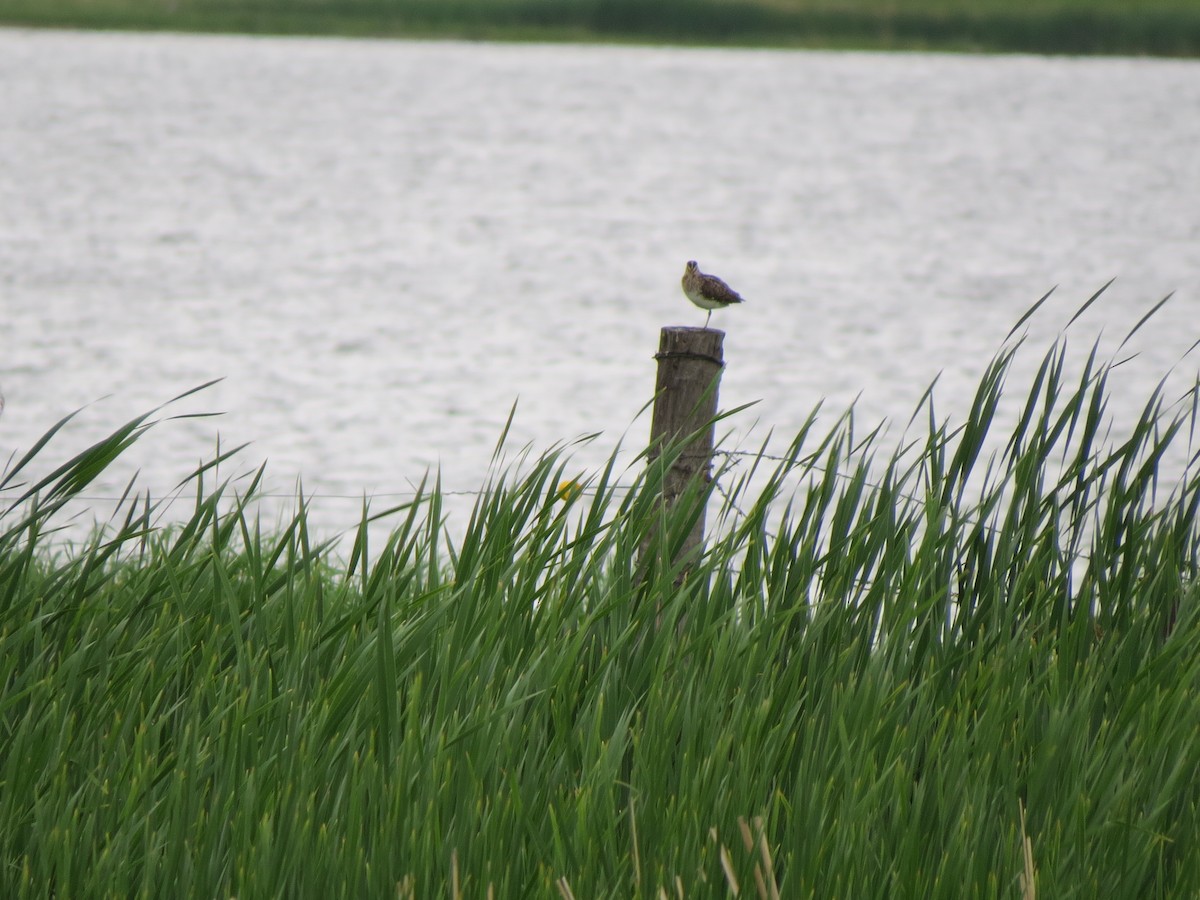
{"x": 706, "y": 318}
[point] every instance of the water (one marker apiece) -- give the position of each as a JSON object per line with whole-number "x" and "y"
{"x": 380, "y": 246}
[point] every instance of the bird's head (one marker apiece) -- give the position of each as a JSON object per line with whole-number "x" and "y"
{"x": 691, "y": 266}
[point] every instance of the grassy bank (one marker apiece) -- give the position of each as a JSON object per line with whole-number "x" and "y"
{"x": 1164, "y": 27}
{"x": 936, "y": 674}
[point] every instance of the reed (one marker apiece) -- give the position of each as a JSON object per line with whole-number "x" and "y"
{"x": 964, "y": 667}
{"x": 1163, "y": 27}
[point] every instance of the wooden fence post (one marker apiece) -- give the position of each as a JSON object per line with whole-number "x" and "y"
{"x": 690, "y": 361}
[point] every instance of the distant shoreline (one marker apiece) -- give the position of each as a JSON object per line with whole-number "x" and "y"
{"x": 1169, "y": 28}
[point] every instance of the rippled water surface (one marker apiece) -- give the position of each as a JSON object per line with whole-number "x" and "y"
{"x": 380, "y": 246}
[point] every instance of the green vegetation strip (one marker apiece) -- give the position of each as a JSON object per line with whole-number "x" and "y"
{"x": 1163, "y": 27}
{"x": 941, "y": 673}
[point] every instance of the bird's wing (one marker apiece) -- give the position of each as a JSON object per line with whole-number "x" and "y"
{"x": 714, "y": 288}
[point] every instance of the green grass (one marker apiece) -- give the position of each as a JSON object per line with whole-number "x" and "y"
{"x": 1163, "y": 27}
{"x": 861, "y": 689}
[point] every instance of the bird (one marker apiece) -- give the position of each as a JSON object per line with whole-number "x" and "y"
{"x": 707, "y": 291}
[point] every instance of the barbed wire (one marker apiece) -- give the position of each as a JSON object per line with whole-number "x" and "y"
{"x": 185, "y": 492}
{"x": 321, "y": 495}
{"x": 807, "y": 464}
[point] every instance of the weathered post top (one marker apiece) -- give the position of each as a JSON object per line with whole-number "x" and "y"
{"x": 708, "y": 343}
